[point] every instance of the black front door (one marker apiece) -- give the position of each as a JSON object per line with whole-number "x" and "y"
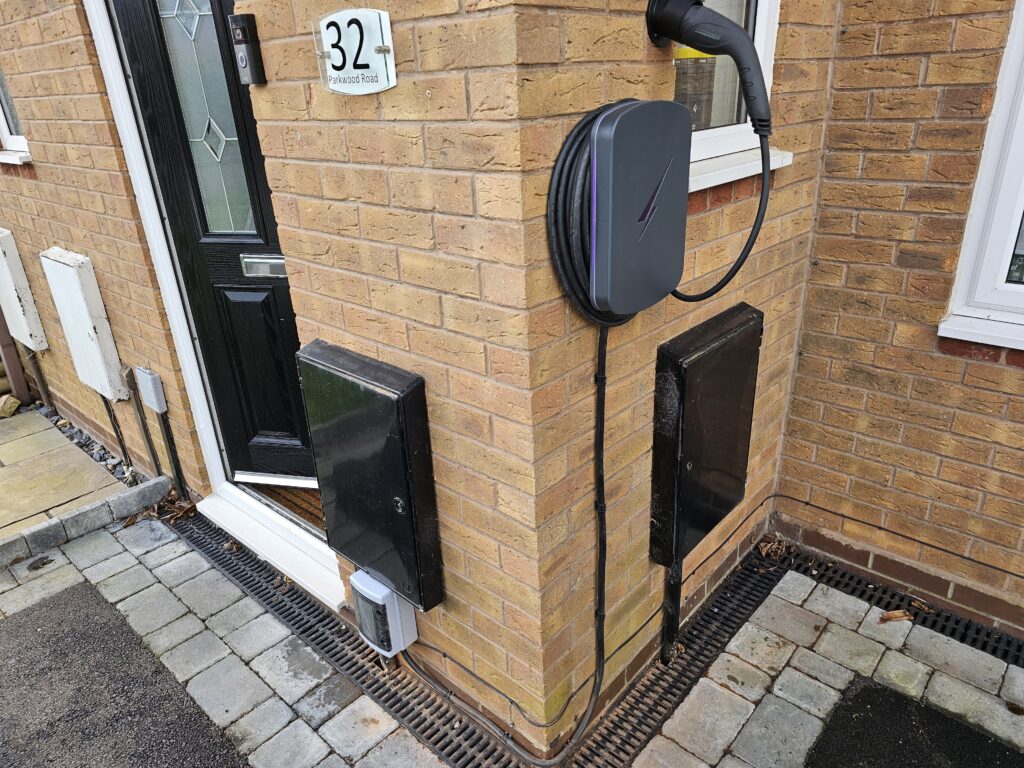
{"x": 202, "y": 141}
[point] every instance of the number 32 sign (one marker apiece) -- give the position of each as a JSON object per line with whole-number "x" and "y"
{"x": 355, "y": 52}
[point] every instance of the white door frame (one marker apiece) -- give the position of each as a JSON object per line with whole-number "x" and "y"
{"x": 301, "y": 556}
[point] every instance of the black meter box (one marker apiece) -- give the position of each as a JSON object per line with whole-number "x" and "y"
{"x": 371, "y": 443}
{"x": 703, "y": 414}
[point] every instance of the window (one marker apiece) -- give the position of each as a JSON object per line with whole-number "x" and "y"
{"x": 13, "y": 145}
{"x": 987, "y": 304}
{"x": 709, "y": 85}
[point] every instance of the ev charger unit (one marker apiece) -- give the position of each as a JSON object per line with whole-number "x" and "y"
{"x": 640, "y": 180}
{"x": 386, "y": 622}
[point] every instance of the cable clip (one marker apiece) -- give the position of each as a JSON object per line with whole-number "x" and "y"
{"x": 600, "y": 380}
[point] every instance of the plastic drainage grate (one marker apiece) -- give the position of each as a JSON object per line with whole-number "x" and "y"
{"x": 999, "y": 644}
{"x": 637, "y": 714}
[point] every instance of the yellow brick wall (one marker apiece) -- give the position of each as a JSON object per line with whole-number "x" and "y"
{"x": 76, "y": 194}
{"x": 413, "y": 228}
{"x": 914, "y": 440}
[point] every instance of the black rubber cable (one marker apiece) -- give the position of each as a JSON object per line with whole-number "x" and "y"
{"x": 762, "y": 210}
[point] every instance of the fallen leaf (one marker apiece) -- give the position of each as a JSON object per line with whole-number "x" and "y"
{"x": 1016, "y": 709}
{"x": 921, "y": 605}
{"x": 901, "y": 615}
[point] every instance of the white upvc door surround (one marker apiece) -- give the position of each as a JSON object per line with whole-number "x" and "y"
{"x": 300, "y": 555}
{"x": 984, "y": 307}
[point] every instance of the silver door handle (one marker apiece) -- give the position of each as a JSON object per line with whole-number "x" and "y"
{"x": 261, "y": 265}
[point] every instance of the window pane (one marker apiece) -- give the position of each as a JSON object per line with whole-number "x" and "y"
{"x": 209, "y": 122}
{"x": 8, "y": 107}
{"x": 1017, "y": 260}
{"x": 710, "y": 86}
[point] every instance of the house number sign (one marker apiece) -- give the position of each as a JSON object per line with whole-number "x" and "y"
{"x": 355, "y": 52}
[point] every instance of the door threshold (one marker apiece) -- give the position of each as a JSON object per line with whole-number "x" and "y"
{"x": 285, "y": 481}
{"x": 300, "y": 555}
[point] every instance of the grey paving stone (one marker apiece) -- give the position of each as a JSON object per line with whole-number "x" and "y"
{"x": 145, "y": 536}
{"x": 87, "y": 519}
{"x": 739, "y": 677}
{"x": 902, "y": 673}
{"x": 108, "y": 568}
{"x": 234, "y": 616}
{"x": 39, "y": 565}
{"x": 208, "y": 593}
{"x": 194, "y": 655}
{"x": 181, "y": 569}
{"x": 662, "y": 753}
{"x": 327, "y": 700}
{"x": 891, "y": 633}
{"x": 807, "y": 693}
{"x": 252, "y": 639}
{"x": 228, "y": 690}
{"x": 332, "y": 761}
{"x": 45, "y": 536}
{"x": 259, "y": 725}
{"x": 821, "y": 669}
{"x": 1013, "y": 685}
{"x": 297, "y": 746}
{"x": 165, "y": 554}
{"x": 292, "y": 669}
{"x": 982, "y": 709}
{"x": 91, "y": 549}
{"x": 402, "y": 750}
{"x": 777, "y": 735}
{"x": 7, "y": 580}
{"x": 789, "y": 621}
{"x": 139, "y": 497}
{"x": 853, "y": 651}
{"x": 47, "y": 585}
{"x": 836, "y": 606}
{"x": 150, "y": 609}
{"x": 731, "y": 761}
{"x": 708, "y": 720}
{"x": 959, "y": 660}
{"x": 794, "y": 587}
{"x": 126, "y": 583}
{"x": 762, "y": 648}
{"x": 358, "y": 728}
{"x": 13, "y": 550}
{"x": 175, "y": 633}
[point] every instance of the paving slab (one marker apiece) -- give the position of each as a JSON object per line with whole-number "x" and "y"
{"x": 234, "y": 616}
{"x": 324, "y": 702}
{"x": 145, "y": 536}
{"x": 903, "y": 674}
{"x": 807, "y": 693}
{"x": 1013, "y": 685}
{"x": 165, "y": 553}
{"x": 739, "y": 677}
{"x": 968, "y": 664}
{"x": 292, "y": 669}
{"x": 836, "y": 606}
{"x": 358, "y": 728}
{"x": 762, "y": 648}
{"x": 257, "y": 636}
{"x": 46, "y": 481}
{"x": 332, "y": 761}
{"x": 152, "y": 608}
{"x": 708, "y": 720}
{"x": 175, "y": 633}
{"x": 32, "y": 445}
{"x": 789, "y": 621}
{"x": 890, "y": 633}
{"x": 104, "y": 570}
{"x": 402, "y": 750}
{"x": 662, "y": 753}
{"x": 32, "y": 592}
{"x": 296, "y": 746}
{"x": 89, "y": 499}
{"x": 126, "y": 583}
{"x": 777, "y": 735}
{"x": 259, "y": 725}
{"x": 228, "y": 690}
{"x": 7, "y": 580}
{"x": 38, "y": 565}
{"x": 181, "y": 569}
{"x": 18, "y": 528}
{"x": 853, "y": 651}
{"x": 194, "y": 655}
{"x": 208, "y": 593}
{"x": 821, "y": 669}
{"x": 23, "y": 424}
{"x": 794, "y": 587}
{"x": 976, "y": 706}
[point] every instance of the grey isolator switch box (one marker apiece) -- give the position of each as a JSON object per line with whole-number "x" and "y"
{"x": 151, "y": 390}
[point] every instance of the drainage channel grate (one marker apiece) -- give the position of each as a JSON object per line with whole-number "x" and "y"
{"x": 1006, "y": 647}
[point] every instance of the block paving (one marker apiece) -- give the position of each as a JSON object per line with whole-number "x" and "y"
{"x": 764, "y": 701}
{"x": 280, "y": 704}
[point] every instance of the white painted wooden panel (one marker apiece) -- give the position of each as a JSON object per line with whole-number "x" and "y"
{"x": 84, "y": 319}
{"x": 16, "y": 300}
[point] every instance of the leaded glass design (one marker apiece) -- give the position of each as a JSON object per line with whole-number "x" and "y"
{"x": 209, "y": 121}
{"x": 1017, "y": 260}
{"x": 7, "y": 103}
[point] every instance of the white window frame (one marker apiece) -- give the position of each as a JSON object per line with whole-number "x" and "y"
{"x": 13, "y": 148}
{"x": 731, "y": 152}
{"x": 983, "y": 306}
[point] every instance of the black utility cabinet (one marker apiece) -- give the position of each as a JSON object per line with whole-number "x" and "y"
{"x": 371, "y": 445}
{"x": 703, "y": 412}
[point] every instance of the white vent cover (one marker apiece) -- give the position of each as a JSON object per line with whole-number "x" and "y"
{"x": 16, "y": 297}
{"x": 80, "y": 307}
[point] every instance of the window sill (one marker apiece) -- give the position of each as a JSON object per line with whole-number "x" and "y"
{"x": 14, "y": 157}
{"x": 984, "y": 330}
{"x": 739, "y": 165}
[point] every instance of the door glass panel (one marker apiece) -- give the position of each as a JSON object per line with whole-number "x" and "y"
{"x": 710, "y": 85}
{"x": 199, "y": 77}
{"x": 1017, "y": 260}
